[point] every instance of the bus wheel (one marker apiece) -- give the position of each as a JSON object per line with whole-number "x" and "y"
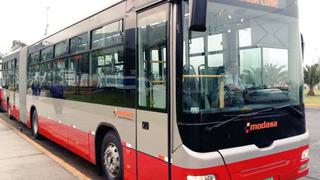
{"x": 111, "y": 157}
{"x": 35, "y": 125}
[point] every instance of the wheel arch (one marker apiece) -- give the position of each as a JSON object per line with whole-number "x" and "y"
{"x": 102, "y": 130}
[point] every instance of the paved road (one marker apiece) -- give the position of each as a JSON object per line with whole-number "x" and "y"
{"x": 313, "y": 124}
{"x": 68, "y": 157}
{"x": 20, "y": 160}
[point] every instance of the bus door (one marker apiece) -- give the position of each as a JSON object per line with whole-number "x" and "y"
{"x": 152, "y": 113}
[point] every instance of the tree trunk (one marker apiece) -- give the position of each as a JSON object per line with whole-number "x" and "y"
{"x": 311, "y": 92}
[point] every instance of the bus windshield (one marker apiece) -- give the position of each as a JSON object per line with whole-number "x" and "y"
{"x": 243, "y": 72}
{"x": 248, "y": 58}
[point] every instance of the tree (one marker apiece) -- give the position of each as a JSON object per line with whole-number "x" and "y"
{"x": 312, "y": 77}
{"x": 273, "y": 75}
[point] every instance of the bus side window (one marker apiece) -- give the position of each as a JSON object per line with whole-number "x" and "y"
{"x": 152, "y": 63}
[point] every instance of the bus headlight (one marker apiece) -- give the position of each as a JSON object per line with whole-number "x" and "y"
{"x": 305, "y": 154}
{"x": 204, "y": 177}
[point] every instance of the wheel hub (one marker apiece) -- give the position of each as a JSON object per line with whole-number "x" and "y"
{"x": 34, "y": 123}
{"x": 112, "y": 160}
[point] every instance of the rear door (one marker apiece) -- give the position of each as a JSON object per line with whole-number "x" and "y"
{"x": 153, "y": 94}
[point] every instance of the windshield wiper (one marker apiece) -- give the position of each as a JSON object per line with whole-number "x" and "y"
{"x": 239, "y": 116}
{"x": 290, "y": 107}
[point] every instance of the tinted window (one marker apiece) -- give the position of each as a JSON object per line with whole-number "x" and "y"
{"x": 5, "y": 76}
{"x": 106, "y": 67}
{"x": 34, "y": 57}
{"x": 108, "y": 35}
{"x": 33, "y": 79}
{"x": 16, "y": 74}
{"x": 60, "y": 69}
{"x": 8, "y": 74}
{"x": 101, "y": 76}
{"x": 107, "y": 82}
{"x": 61, "y": 49}
{"x": 45, "y": 76}
{"x": 78, "y": 70}
{"x": 79, "y": 43}
{"x": 40, "y": 79}
{"x": 152, "y": 44}
{"x": 47, "y": 54}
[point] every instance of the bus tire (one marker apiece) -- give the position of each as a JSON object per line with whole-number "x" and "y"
{"x": 111, "y": 158}
{"x": 35, "y": 125}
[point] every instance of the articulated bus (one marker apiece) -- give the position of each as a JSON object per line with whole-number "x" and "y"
{"x": 185, "y": 89}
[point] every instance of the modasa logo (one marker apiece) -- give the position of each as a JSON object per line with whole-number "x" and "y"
{"x": 265, "y": 125}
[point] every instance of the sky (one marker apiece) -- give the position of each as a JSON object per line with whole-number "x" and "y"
{"x": 310, "y": 28}
{"x": 25, "y": 20}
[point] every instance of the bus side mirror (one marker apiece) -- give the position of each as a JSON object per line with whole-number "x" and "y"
{"x": 198, "y": 15}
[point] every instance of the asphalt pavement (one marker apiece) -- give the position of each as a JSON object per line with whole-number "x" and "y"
{"x": 313, "y": 125}
{"x": 21, "y": 160}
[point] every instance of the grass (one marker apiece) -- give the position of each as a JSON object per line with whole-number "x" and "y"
{"x": 312, "y": 100}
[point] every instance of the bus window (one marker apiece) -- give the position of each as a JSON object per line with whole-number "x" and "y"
{"x": 61, "y": 49}
{"x": 152, "y": 61}
{"x": 106, "y": 36}
{"x": 45, "y": 76}
{"x": 34, "y": 57}
{"x": 78, "y": 71}
{"x": 59, "y": 71}
{"x": 79, "y": 43}
{"x": 106, "y": 67}
{"x": 46, "y": 54}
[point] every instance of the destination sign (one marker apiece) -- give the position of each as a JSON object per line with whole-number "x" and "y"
{"x": 267, "y": 3}
{"x": 283, "y": 7}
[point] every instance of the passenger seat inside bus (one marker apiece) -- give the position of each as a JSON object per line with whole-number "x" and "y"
{"x": 190, "y": 88}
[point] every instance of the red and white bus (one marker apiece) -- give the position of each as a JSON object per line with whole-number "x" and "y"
{"x": 154, "y": 89}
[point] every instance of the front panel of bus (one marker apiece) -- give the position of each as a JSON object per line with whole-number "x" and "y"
{"x": 240, "y": 91}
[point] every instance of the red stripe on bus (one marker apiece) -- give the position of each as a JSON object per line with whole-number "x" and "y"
{"x": 220, "y": 172}
{"x": 151, "y": 168}
{"x": 28, "y": 120}
{"x": 284, "y": 165}
{"x": 129, "y": 160}
{"x": 2, "y": 100}
{"x": 92, "y": 152}
{"x": 4, "y": 105}
{"x": 84, "y": 147}
{"x": 15, "y": 112}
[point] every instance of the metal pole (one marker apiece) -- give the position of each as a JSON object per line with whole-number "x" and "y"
{"x": 47, "y": 22}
